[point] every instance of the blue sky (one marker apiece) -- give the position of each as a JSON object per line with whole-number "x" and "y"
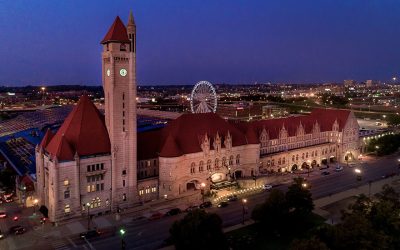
{"x": 184, "y": 41}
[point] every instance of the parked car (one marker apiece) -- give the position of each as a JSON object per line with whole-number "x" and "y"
{"x": 232, "y": 198}
{"x": 191, "y": 208}
{"x": 17, "y": 230}
{"x": 173, "y": 211}
{"x": 90, "y": 234}
{"x": 325, "y": 173}
{"x": 3, "y": 215}
{"x": 223, "y": 204}
{"x": 338, "y": 168}
{"x": 267, "y": 187}
{"x": 156, "y": 216}
{"x": 206, "y": 204}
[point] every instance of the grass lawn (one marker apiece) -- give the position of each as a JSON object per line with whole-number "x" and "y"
{"x": 253, "y": 237}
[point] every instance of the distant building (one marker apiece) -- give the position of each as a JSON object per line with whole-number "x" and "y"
{"x": 371, "y": 83}
{"x": 349, "y": 83}
{"x": 273, "y": 111}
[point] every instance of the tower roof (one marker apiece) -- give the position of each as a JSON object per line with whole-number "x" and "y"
{"x": 46, "y": 138}
{"x": 131, "y": 20}
{"x": 83, "y": 132}
{"x": 116, "y": 33}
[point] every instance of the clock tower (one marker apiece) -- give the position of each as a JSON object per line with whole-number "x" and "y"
{"x": 119, "y": 83}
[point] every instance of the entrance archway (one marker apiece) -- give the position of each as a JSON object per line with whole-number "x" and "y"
{"x": 314, "y": 163}
{"x": 190, "y": 186}
{"x": 294, "y": 167}
{"x": 238, "y": 174}
{"x": 332, "y": 159}
{"x": 349, "y": 157}
{"x": 304, "y": 165}
{"x": 324, "y": 161}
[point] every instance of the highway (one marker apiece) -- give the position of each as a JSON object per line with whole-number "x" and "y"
{"x": 144, "y": 234}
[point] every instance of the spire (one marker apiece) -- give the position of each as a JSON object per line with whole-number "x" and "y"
{"x": 131, "y": 20}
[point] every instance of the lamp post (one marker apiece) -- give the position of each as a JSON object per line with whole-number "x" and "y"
{"x": 244, "y": 201}
{"x": 35, "y": 202}
{"x": 203, "y": 185}
{"x": 122, "y": 233}
{"x": 88, "y": 215}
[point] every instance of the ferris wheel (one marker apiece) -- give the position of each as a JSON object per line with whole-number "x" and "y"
{"x": 203, "y": 98}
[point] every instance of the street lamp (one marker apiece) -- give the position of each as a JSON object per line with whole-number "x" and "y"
{"x": 203, "y": 185}
{"x": 244, "y": 201}
{"x": 35, "y": 202}
{"x": 122, "y": 233}
{"x": 304, "y": 185}
{"x": 88, "y": 215}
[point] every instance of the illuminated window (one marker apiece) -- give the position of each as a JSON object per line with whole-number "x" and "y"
{"x": 124, "y": 197}
{"x": 237, "y": 159}
{"x": 141, "y": 192}
{"x": 154, "y": 189}
{"x": 66, "y": 182}
{"x": 107, "y": 202}
{"x": 67, "y": 209}
{"x": 88, "y": 188}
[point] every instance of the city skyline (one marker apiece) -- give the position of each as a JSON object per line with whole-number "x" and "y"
{"x": 235, "y": 42}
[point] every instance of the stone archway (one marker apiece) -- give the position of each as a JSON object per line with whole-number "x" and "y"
{"x": 238, "y": 174}
{"x": 349, "y": 157}
{"x": 190, "y": 186}
{"x": 294, "y": 167}
{"x": 314, "y": 163}
{"x": 304, "y": 165}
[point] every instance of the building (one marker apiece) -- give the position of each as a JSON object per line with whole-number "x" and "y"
{"x": 371, "y": 83}
{"x": 349, "y": 83}
{"x": 96, "y": 164}
{"x": 90, "y": 163}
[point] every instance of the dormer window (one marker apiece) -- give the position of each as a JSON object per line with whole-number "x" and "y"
{"x": 122, "y": 47}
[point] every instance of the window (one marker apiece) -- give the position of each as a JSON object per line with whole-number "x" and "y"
{"x": 223, "y": 161}
{"x": 201, "y": 166}
{"x": 123, "y": 172}
{"x": 88, "y": 168}
{"x": 122, "y": 47}
{"x": 67, "y": 209}
{"x": 93, "y": 167}
{"x": 66, "y": 194}
{"x": 154, "y": 189}
{"x": 88, "y": 188}
{"x": 97, "y": 187}
{"x": 208, "y": 164}
{"x": 231, "y": 160}
{"x": 123, "y": 183}
{"x": 141, "y": 192}
{"x": 102, "y": 166}
{"x": 216, "y": 163}
{"x": 124, "y": 197}
{"x": 66, "y": 182}
{"x": 192, "y": 168}
{"x": 97, "y": 166}
{"x": 237, "y": 159}
{"x": 102, "y": 186}
{"x": 107, "y": 202}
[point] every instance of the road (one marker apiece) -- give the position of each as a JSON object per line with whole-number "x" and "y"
{"x": 143, "y": 234}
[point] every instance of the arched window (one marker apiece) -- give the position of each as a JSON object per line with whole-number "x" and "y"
{"x": 216, "y": 163}
{"x": 283, "y": 160}
{"x": 201, "y": 166}
{"x": 307, "y": 155}
{"x": 192, "y": 168}
{"x": 279, "y": 161}
{"x": 297, "y": 157}
{"x": 237, "y": 159}
{"x": 224, "y": 161}
{"x": 208, "y": 164}
{"x": 293, "y": 158}
{"x": 302, "y": 156}
{"x": 231, "y": 160}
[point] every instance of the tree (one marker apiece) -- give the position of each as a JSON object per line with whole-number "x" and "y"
{"x": 308, "y": 244}
{"x": 389, "y": 194}
{"x": 198, "y": 230}
{"x": 299, "y": 198}
{"x": 273, "y": 212}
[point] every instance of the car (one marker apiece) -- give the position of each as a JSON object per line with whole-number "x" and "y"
{"x": 267, "y": 187}
{"x": 206, "y": 204}
{"x": 8, "y": 199}
{"x": 223, "y": 204}
{"x": 191, "y": 208}
{"x": 3, "y": 215}
{"x": 17, "y": 230}
{"x": 15, "y": 218}
{"x": 338, "y": 168}
{"x": 156, "y": 216}
{"x": 325, "y": 173}
{"x": 173, "y": 211}
{"x": 232, "y": 197}
{"x": 90, "y": 234}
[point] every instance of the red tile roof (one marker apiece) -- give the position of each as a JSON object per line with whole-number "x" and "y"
{"x": 184, "y": 135}
{"x": 149, "y": 145}
{"x": 83, "y": 132}
{"x": 46, "y": 138}
{"x": 116, "y": 33}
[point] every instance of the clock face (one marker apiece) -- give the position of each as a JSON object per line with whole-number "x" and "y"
{"x": 108, "y": 72}
{"x": 123, "y": 72}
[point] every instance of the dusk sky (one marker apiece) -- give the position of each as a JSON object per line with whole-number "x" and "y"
{"x": 184, "y": 41}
